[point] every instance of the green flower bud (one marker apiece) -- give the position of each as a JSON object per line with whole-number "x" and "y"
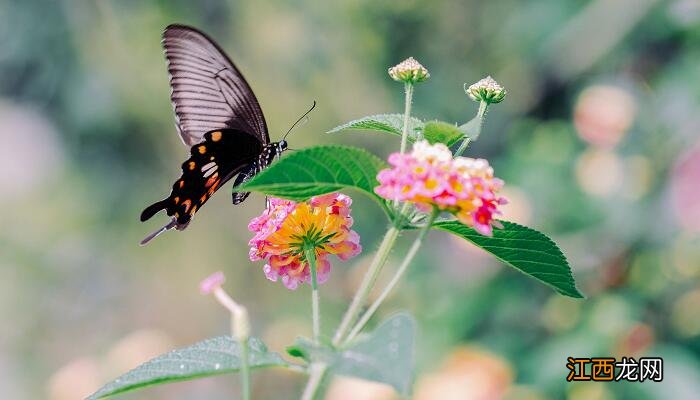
{"x": 409, "y": 71}
{"x": 487, "y": 90}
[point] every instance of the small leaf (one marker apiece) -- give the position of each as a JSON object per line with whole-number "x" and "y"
{"x": 390, "y": 123}
{"x": 385, "y": 355}
{"x": 215, "y": 356}
{"x": 299, "y": 350}
{"x": 319, "y": 170}
{"x": 442, "y": 132}
{"x": 525, "y": 249}
{"x": 472, "y": 128}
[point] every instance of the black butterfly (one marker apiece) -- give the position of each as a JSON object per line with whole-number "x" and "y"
{"x": 218, "y": 116}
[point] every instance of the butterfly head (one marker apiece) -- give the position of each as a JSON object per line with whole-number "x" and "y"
{"x": 282, "y": 146}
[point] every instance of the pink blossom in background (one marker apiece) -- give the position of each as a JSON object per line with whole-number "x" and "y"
{"x": 685, "y": 189}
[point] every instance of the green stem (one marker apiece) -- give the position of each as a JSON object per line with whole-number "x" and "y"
{"x": 310, "y": 253}
{"x": 367, "y": 283}
{"x": 318, "y": 372}
{"x": 245, "y": 370}
{"x": 463, "y": 146}
{"x": 406, "y": 115}
{"x": 396, "y": 278}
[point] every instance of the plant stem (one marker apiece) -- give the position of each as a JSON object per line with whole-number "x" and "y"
{"x": 310, "y": 253}
{"x": 245, "y": 370}
{"x": 463, "y": 146}
{"x": 406, "y": 114}
{"x": 240, "y": 331}
{"x": 318, "y": 372}
{"x": 395, "y": 279}
{"x": 367, "y": 283}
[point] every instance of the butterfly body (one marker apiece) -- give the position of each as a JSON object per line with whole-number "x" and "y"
{"x": 218, "y": 116}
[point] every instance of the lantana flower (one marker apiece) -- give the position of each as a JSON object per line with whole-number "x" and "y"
{"x": 487, "y": 90}
{"x": 430, "y": 177}
{"x": 286, "y": 229}
{"x": 409, "y": 71}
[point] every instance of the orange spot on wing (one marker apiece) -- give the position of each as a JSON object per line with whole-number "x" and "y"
{"x": 187, "y": 203}
{"x": 213, "y": 187}
{"x": 216, "y": 136}
{"x": 176, "y": 199}
{"x": 182, "y": 183}
{"x": 202, "y": 149}
{"x": 212, "y": 179}
{"x": 191, "y": 165}
{"x": 194, "y": 210}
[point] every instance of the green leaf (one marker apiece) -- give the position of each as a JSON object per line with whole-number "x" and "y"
{"x": 389, "y": 123}
{"x": 433, "y": 131}
{"x": 442, "y": 132}
{"x": 525, "y": 249}
{"x": 215, "y": 356}
{"x": 472, "y": 128}
{"x": 386, "y": 355}
{"x": 318, "y": 170}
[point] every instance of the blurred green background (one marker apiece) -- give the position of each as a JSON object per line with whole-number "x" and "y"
{"x": 598, "y": 141}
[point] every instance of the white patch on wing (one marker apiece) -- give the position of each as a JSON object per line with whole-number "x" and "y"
{"x": 209, "y": 169}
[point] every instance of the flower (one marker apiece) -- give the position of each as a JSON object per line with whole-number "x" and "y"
{"x": 409, "y": 71}
{"x": 487, "y": 90}
{"x": 430, "y": 177}
{"x": 286, "y": 229}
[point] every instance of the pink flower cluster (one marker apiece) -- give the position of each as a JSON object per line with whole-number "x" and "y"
{"x": 286, "y": 229}
{"x": 430, "y": 177}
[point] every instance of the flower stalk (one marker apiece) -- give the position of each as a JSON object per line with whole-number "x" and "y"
{"x": 240, "y": 325}
{"x": 408, "y": 100}
{"x": 367, "y": 284}
{"x": 396, "y": 278}
{"x": 316, "y": 376}
{"x": 310, "y": 253}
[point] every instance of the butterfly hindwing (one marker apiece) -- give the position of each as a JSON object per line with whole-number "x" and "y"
{"x": 221, "y": 155}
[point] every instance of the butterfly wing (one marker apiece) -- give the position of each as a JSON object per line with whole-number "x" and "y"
{"x": 221, "y": 155}
{"x": 207, "y": 90}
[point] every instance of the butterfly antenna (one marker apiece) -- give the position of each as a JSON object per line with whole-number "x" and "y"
{"x": 299, "y": 120}
{"x": 155, "y": 234}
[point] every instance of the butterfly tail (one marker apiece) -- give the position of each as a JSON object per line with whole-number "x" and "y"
{"x": 153, "y": 209}
{"x": 170, "y": 225}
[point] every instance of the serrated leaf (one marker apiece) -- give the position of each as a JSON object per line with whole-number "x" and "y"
{"x": 525, "y": 249}
{"x": 318, "y": 170}
{"x": 390, "y": 123}
{"x": 215, "y": 356}
{"x": 442, "y": 132}
{"x": 386, "y": 355}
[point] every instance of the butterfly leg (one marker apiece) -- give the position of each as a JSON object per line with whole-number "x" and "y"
{"x": 245, "y": 175}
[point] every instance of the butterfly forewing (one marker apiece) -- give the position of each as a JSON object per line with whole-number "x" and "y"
{"x": 208, "y": 91}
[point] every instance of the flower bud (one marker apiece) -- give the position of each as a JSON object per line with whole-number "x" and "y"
{"x": 409, "y": 71}
{"x": 487, "y": 90}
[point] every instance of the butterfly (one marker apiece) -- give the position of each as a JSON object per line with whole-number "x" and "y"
{"x": 218, "y": 116}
